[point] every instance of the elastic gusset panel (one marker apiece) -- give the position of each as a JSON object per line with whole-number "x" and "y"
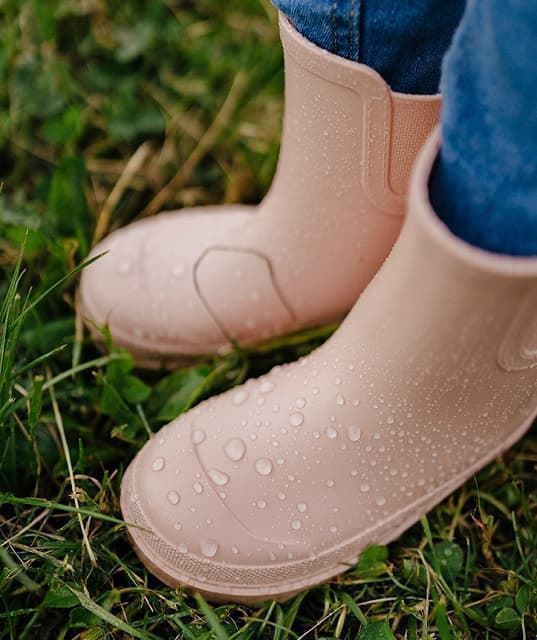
{"x": 411, "y": 123}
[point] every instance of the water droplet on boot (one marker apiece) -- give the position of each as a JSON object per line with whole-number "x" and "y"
{"x": 364, "y": 488}
{"x": 296, "y": 525}
{"x": 235, "y": 449}
{"x": 340, "y": 400}
{"x": 301, "y": 507}
{"x": 198, "y": 487}
{"x": 124, "y": 268}
{"x": 263, "y": 466}
{"x": 240, "y": 397}
{"x": 178, "y": 270}
{"x": 158, "y": 464}
{"x": 296, "y": 419}
{"x": 173, "y": 497}
{"x": 266, "y": 386}
{"x": 300, "y": 403}
{"x": 331, "y": 433}
{"x": 198, "y": 436}
{"x": 218, "y": 477}
{"x": 209, "y": 547}
{"x": 182, "y": 548}
{"x": 354, "y": 433}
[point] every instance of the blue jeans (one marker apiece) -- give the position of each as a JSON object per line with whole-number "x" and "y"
{"x": 484, "y": 184}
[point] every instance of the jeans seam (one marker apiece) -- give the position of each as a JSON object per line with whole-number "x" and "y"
{"x": 357, "y": 31}
{"x": 352, "y": 34}
{"x": 334, "y": 28}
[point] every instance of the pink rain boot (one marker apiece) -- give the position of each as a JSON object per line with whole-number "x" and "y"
{"x": 279, "y": 484}
{"x": 188, "y": 283}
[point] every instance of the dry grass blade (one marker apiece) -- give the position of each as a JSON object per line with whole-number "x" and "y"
{"x": 135, "y": 163}
{"x": 59, "y": 424}
{"x": 205, "y": 143}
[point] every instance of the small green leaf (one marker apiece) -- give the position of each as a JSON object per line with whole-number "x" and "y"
{"x": 134, "y": 390}
{"x": 113, "y": 405}
{"x": 414, "y": 572}
{"x": 507, "y": 619}
{"x": 498, "y": 603}
{"x": 450, "y": 558}
{"x": 59, "y": 596}
{"x": 372, "y": 561}
{"x": 523, "y": 599}
{"x": 191, "y": 383}
{"x": 376, "y": 631}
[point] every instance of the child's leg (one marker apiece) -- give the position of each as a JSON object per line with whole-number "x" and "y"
{"x": 485, "y": 183}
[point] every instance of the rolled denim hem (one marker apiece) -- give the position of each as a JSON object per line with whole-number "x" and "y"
{"x": 404, "y": 42}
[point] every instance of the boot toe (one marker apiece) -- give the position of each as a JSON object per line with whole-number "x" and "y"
{"x": 143, "y": 287}
{"x": 183, "y": 528}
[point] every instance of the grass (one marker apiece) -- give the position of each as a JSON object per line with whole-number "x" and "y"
{"x": 110, "y": 110}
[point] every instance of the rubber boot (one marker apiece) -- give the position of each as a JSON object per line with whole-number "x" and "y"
{"x": 279, "y": 484}
{"x": 191, "y": 282}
